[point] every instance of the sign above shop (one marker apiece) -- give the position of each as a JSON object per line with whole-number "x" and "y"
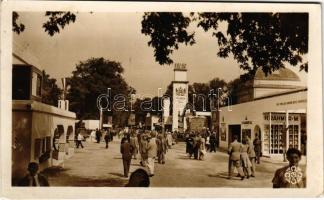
{"x": 292, "y": 102}
{"x": 247, "y": 122}
{"x": 281, "y": 117}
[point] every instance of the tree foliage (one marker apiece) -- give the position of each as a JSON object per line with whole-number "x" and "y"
{"x": 55, "y": 22}
{"x": 16, "y": 26}
{"x": 147, "y": 105}
{"x": 256, "y": 40}
{"x": 92, "y": 78}
{"x": 234, "y": 88}
{"x": 51, "y": 93}
{"x": 167, "y": 31}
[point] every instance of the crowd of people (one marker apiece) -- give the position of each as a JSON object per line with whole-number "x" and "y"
{"x": 146, "y": 147}
{"x": 198, "y": 143}
{"x": 149, "y": 145}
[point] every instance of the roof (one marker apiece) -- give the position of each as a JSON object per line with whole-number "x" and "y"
{"x": 25, "y": 55}
{"x": 280, "y": 74}
{"x": 31, "y": 105}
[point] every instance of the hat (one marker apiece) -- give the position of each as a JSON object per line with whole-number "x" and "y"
{"x": 139, "y": 178}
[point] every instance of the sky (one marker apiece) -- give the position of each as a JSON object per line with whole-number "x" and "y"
{"x": 118, "y": 37}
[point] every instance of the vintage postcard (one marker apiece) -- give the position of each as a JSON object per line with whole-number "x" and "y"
{"x": 161, "y": 100}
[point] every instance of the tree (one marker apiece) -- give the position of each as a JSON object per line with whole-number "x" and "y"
{"x": 235, "y": 87}
{"x": 198, "y": 96}
{"x": 92, "y": 78}
{"x": 56, "y": 21}
{"x": 256, "y": 40}
{"x": 147, "y": 105}
{"x": 51, "y": 93}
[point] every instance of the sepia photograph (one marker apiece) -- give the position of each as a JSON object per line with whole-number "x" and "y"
{"x": 164, "y": 98}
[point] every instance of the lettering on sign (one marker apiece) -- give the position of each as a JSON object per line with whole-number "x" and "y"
{"x": 247, "y": 122}
{"x": 281, "y": 117}
{"x": 292, "y": 102}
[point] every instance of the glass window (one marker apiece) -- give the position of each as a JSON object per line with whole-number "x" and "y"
{"x": 277, "y": 137}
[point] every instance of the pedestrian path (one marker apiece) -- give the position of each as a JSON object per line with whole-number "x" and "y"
{"x": 97, "y": 166}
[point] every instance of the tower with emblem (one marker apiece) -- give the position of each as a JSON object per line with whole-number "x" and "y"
{"x": 180, "y": 97}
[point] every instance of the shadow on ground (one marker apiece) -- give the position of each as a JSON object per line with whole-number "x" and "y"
{"x": 117, "y": 174}
{"x": 77, "y": 181}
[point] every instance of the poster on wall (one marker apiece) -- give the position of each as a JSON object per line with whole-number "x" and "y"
{"x": 223, "y": 131}
{"x": 246, "y": 133}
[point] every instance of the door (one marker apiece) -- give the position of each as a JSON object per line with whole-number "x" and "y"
{"x": 234, "y": 130}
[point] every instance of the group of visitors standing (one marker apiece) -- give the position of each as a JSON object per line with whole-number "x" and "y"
{"x": 150, "y": 145}
{"x": 198, "y": 143}
{"x": 243, "y": 156}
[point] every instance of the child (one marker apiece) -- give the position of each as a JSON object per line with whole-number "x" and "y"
{"x": 291, "y": 176}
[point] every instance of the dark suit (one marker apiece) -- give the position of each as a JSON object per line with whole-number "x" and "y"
{"x": 29, "y": 181}
{"x": 126, "y": 151}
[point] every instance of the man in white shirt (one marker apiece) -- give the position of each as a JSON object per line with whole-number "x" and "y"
{"x": 79, "y": 140}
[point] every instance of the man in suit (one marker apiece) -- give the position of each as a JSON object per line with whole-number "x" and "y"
{"x": 33, "y": 178}
{"x": 126, "y": 151}
{"x": 257, "y": 148}
{"x": 212, "y": 141}
{"x": 134, "y": 143}
{"x": 234, "y": 151}
{"x": 107, "y": 138}
{"x": 151, "y": 153}
{"x": 143, "y": 149}
{"x": 161, "y": 148}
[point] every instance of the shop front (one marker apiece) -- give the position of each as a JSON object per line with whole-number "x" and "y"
{"x": 279, "y": 122}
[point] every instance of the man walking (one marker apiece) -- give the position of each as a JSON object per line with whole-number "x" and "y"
{"x": 126, "y": 151}
{"x": 151, "y": 153}
{"x": 161, "y": 148}
{"x": 257, "y": 148}
{"x": 169, "y": 140}
{"x": 197, "y": 144}
{"x": 212, "y": 141}
{"x": 234, "y": 151}
{"x": 98, "y": 135}
{"x": 79, "y": 140}
{"x": 134, "y": 145}
{"x": 107, "y": 138}
{"x": 143, "y": 149}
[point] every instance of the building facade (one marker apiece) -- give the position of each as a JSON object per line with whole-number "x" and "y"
{"x": 41, "y": 133}
{"x": 275, "y": 112}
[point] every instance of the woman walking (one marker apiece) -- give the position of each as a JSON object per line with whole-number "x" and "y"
{"x": 246, "y": 164}
{"x": 202, "y": 149}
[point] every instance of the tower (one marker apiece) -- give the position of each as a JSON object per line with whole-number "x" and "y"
{"x": 180, "y": 97}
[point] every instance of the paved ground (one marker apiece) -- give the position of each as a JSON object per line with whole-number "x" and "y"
{"x": 96, "y": 166}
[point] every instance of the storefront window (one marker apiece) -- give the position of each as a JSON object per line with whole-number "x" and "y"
{"x": 277, "y": 139}
{"x": 293, "y": 136}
